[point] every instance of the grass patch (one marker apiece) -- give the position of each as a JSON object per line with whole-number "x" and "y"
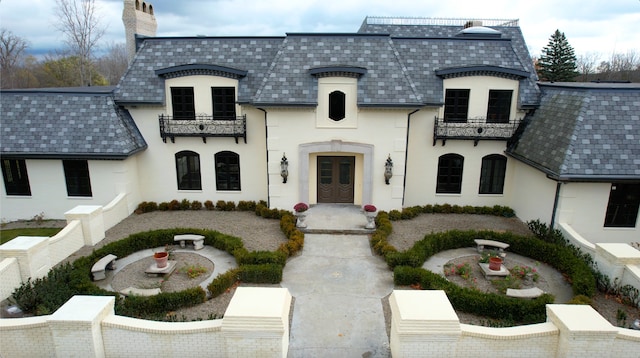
{"x": 10, "y": 234}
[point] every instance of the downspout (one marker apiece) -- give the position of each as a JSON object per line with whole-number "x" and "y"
{"x": 266, "y": 147}
{"x": 555, "y": 205}
{"x": 406, "y": 156}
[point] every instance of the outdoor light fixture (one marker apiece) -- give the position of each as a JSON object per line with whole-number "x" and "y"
{"x": 388, "y": 169}
{"x": 284, "y": 168}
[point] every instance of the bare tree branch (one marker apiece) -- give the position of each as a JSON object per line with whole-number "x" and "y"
{"x": 78, "y": 20}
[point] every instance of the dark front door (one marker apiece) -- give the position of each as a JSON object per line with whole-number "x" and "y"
{"x": 335, "y": 179}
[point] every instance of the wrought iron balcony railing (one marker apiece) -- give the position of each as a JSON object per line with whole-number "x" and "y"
{"x": 202, "y": 126}
{"x": 475, "y": 129}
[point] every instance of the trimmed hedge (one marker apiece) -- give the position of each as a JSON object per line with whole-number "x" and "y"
{"x": 265, "y": 273}
{"x": 408, "y": 271}
{"x": 474, "y": 301}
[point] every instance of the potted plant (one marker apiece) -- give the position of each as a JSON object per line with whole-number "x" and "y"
{"x": 370, "y": 214}
{"x": 161, "y": 258}
{"x": 300, "y": 210}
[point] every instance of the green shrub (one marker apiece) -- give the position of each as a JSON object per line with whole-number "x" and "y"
{"x": 395, "y": 215}
{"x": 246, "y": 205}
{"x": 196, "y": 205}
{"x": 146, "y": 207}
{"x": 160, "y": 304}
{"x": 185, "y": 204}
{"x": 225, "y": 205}
{"x": 174, "y": 205}
{"x": 474, "y": 301}
{"x": 163, "y": 206}
{"x": 580, "y": 300}
{"x": 209, "y": 205}
{"x": 263, "y": 257}
{"x": 265, "y": 273}
{"x": 223, "y": 282}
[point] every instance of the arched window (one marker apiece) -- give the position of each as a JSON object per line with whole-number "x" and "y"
{"x": 151, "y": 9}
{"x": 227, "y": 171}
{"x": 450, "y": 174}
{"x": 337, "y": 105}
{"x": 188, "y": 170}
{"x": 492, "y": 174}
{"x": 137, "y": 4}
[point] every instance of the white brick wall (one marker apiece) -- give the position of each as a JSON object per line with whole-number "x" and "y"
{"x": 26, "y": 337}
{"x": 9, "y": 276}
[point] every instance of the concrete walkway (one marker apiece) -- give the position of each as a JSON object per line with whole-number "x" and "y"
{"x": 338, "y": 286}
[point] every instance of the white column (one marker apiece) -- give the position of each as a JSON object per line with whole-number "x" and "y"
{"x": 32, "y": 253}
{"x": 423, "y": 324}
{"x": 256, "y": 323}
{"x": 92, "y": 222}
{"x": 583, "y": 332}
{"x": 76, "y": 327}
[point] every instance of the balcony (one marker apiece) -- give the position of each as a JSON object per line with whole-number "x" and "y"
{"x": 202, "y": 126}
{"x": 475, "y": 129}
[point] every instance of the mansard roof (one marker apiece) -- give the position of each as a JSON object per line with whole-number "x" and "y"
{"x": 584, "y": 131}
{"x": 399, "y": 63}
{"x": 66, "y": 123}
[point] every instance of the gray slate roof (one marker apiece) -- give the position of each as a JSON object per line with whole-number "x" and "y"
{"x": 438, "y": 47}
{"x": 400, "y": 63}
{"x": 584, "y": 131}
{"x": 66, "y": 123}
{"x": 254, "y": 55}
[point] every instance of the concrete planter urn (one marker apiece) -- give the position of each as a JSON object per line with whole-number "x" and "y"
{"x": 370, "y": 212}
{"x": 300, "y": 213}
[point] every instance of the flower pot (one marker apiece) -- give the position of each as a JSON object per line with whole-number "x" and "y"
{"x": 495, "y": 263}
{"x": 161, "y": 259}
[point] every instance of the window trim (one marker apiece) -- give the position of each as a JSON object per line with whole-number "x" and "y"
{"x": 191, "y": 182}
{"x": 225, "y": 176}
{"x": 78, "y": 171}
{"x": 492, "y": 160}
{"x": 16, "y": 177}
{"x": 449, "y": 186}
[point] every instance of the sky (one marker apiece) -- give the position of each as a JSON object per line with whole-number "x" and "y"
{"x": 591, "y": 26}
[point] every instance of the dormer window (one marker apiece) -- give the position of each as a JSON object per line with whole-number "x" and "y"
{"x": 499, "y": 106}
{"x": 456, "y": 105}
{"x": 183, "y": 103}
{"x": 224, "y": 102}
{"x": 337, "y": 105}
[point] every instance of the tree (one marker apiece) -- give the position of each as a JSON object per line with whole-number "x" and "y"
{"x": 61, "y": 72}
{"x": 12, "y": 50}
{"x": 79, "y": 22}
{"x": 113, "y": 64}
{"x": 558, "y": 60}
{"x": 586, "y": 65}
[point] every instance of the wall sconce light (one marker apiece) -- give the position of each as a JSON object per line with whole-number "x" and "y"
{"x": 388, "y": 169}
{"x": 284, "y": 168}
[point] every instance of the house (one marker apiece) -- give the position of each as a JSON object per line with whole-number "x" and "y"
{"x": 402, "y": 112}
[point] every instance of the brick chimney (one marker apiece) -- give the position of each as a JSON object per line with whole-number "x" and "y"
{"x": 138, "y": 19}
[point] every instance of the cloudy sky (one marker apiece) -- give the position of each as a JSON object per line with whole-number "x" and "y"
{"x": 591, "y": 26}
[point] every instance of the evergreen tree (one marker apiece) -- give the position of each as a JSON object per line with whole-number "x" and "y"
{"x": 558, "y": 60}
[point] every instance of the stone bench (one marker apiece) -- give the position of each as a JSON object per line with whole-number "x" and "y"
{"x": 501, "y": 246}
{"x": 532, "y": 292}
{"x": 134, "y": 291}
{"x": 197, "y": 240}
{"x": 106, "y": 263}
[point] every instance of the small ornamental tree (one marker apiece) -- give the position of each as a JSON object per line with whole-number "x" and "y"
{"x": 558, "y": 60}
